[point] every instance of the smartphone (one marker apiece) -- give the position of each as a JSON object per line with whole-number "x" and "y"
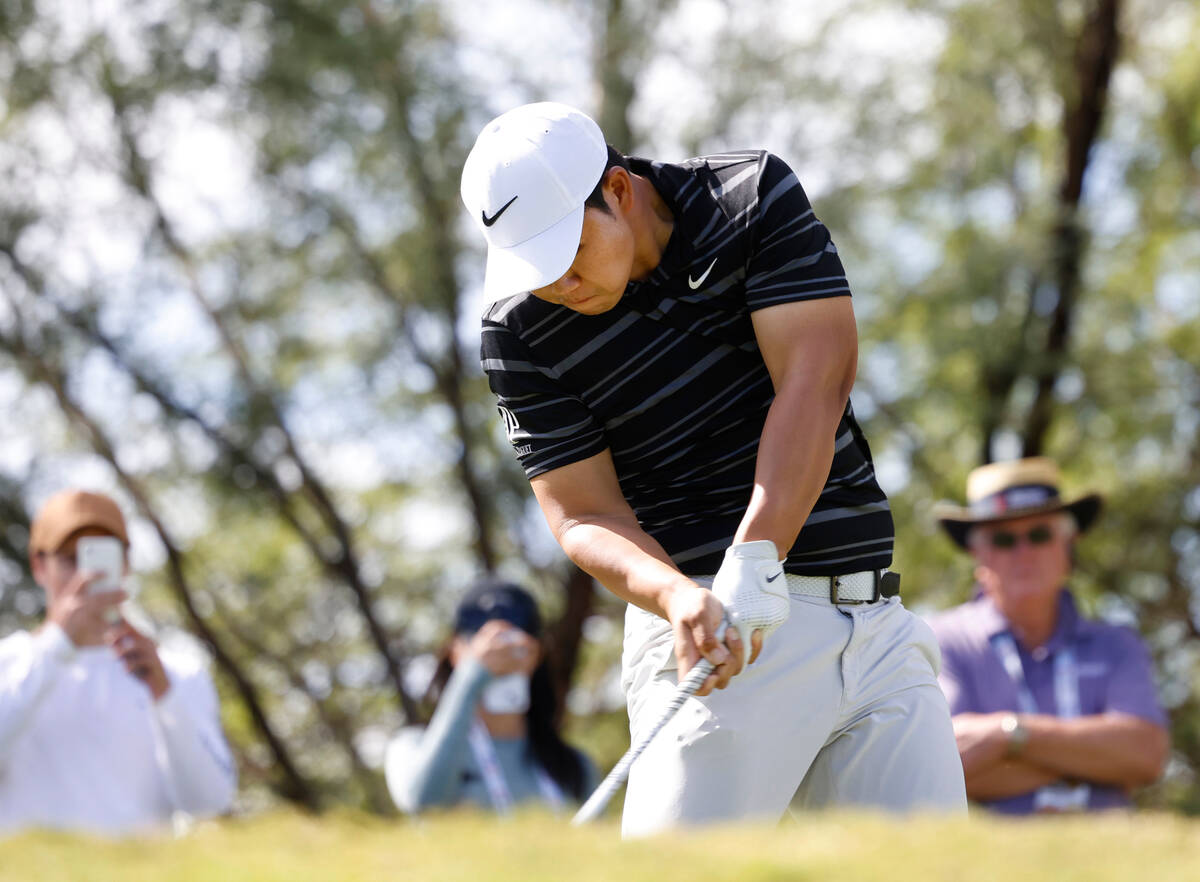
{"x": 104, "y": 555}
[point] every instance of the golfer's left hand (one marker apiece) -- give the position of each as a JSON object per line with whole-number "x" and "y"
{"x": 752, "y": 586}
{"x": 140, "y": 656}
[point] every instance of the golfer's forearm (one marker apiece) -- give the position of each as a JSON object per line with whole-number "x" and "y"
{"x": 1115, "y": 749}
{"x": 794, "y": 457}
{"x": 624, "y": 559}
{"x": 1006, "y": 778}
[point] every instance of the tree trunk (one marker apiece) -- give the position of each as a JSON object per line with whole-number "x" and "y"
{"x": 1095, "y": 57}
{"x": 566, "y": 636}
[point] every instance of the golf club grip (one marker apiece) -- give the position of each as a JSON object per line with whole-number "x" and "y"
{"x": 599, "y": 799}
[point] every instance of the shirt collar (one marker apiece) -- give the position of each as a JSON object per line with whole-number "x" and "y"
{"x": 667, "y": 180}
{"x": 1065, "y": 629}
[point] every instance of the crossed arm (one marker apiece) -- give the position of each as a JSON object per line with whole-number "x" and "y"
{"x": 810, "y": 349}
{"x": 1114, "y": 749}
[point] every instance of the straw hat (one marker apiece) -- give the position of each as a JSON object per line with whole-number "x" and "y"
{"x": 1003, "y": 491}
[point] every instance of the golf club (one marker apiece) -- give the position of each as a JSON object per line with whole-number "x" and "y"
{"x": 599, "y": 799}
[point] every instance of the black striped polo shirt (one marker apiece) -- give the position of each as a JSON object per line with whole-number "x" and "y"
{"x": 671, "y": 381}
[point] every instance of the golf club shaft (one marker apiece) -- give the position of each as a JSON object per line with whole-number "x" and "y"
{"x": 610, "y": 785}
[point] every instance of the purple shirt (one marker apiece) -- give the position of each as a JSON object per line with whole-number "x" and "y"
{"x": 1113, "y": 667}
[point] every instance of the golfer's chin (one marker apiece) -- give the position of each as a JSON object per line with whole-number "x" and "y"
{"x": 593, "y": 304}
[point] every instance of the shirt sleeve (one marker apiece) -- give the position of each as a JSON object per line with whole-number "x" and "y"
{"x": 425, "y": 770}
{"x": 29, "y": 665}
{"x": 547, "y": 426}
{"x": 1130, "y": 688}
{"x": 792, "y": 257}
{"x": 195, "y": 758}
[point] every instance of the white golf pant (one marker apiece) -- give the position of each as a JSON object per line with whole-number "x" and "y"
{"x": 842, "y": 708}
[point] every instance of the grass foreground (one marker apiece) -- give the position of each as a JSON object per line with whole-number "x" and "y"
{"x": 476, "y": 848}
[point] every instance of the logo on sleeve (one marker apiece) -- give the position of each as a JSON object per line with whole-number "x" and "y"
{"x": 510, "y": 422}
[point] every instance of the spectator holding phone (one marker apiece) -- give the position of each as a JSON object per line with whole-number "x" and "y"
{"x": 1052, "y": 712}
{"x": 493, "y": 741}
{"x": 100, "y": 730}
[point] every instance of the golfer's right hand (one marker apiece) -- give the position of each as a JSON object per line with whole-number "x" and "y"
{"x": 696, "y": 617}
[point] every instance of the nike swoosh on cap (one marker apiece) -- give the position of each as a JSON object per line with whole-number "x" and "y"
{"x": 696, "y": 283}
{"x": 488, "y": 221}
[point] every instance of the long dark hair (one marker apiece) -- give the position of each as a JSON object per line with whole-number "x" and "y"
{"x": 563, "y": 763}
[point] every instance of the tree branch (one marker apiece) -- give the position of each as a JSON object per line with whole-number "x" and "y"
{"x": 1095, "y": 56}
{"x": 344, "y": 565}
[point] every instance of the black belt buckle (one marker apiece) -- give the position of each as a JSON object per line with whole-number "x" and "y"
{"x": 887, "y": 584}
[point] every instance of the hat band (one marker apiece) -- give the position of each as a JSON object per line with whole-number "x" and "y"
{"x": 1014, "y": 499}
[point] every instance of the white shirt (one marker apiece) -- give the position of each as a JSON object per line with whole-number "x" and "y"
{"x": 83, "y": 744}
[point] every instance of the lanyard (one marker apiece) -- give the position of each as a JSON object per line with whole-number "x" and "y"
{"x": 493, "y": 776}
{"x": 1054, "y": 797}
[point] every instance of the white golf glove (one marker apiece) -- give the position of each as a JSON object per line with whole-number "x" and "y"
{"x": 753, "y": 589}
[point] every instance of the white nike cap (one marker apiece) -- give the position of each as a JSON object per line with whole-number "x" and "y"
{"x": 524, "y": 183}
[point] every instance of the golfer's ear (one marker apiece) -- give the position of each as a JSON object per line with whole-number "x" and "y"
{"x": 618, "y": 182}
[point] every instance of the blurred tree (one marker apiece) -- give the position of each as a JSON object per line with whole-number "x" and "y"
{"x": 283, "y": 384}
{"x": 314, "y": 345}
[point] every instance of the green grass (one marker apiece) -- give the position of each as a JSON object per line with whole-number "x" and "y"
{"x": 475, "y": 848}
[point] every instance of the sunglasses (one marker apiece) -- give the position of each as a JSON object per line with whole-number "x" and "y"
{"x": 1006, "y": 539}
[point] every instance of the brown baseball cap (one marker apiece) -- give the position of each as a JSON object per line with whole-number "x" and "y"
{"x": 70, "y": 511}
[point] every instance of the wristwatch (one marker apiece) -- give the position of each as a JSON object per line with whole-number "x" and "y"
{"x": 1015, "y": 732}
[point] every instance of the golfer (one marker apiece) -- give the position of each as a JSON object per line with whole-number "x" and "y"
{"x": 672, "y": 347}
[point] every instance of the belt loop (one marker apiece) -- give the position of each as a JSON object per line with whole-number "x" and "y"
{"x": 833, "y": 590}
{"x": 875, "y": 595}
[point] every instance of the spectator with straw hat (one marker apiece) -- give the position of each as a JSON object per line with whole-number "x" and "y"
{"x": 1052, "y": 711}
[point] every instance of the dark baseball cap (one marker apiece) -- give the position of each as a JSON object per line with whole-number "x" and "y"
{"x": 491, "y": 599}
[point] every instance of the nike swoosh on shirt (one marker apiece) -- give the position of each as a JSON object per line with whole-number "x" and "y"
{"x": 696, "y": 283}
{"x": 488, "y": 221}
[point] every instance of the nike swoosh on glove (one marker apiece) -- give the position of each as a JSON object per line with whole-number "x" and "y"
{"x": 753, "y": 589}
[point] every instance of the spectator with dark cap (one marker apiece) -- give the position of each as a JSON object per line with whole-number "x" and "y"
{"x": 493, "y": 740}
{"x": 100, "y": 729}
{"x": 1052, "y": 711}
